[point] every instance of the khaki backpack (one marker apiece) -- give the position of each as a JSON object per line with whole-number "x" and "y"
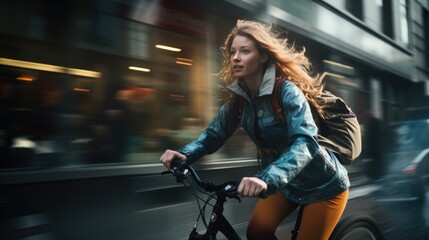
{"x": 339, "y": 129}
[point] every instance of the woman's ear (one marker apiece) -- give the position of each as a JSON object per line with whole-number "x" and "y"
{"x": 264, "y": 58}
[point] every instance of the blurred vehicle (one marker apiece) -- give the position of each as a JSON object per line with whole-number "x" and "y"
{"x": 407, "y": 162}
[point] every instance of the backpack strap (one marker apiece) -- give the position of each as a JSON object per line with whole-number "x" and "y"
{"x": 240, "y": 106}
{"x": 275, "y": 99}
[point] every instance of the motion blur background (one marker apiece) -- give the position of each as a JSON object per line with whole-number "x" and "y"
{"x": 92, "y": 92}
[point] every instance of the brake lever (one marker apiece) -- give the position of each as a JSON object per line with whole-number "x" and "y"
{"x": 231, "y": 191}
{"x": 180, "y": 175}
{"x": 166, "y": 172}
{"x": 237, "y": 197}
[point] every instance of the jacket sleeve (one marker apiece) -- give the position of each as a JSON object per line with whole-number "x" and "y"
{"x": 215, "y": 135}
{"x": 301, "y": 137}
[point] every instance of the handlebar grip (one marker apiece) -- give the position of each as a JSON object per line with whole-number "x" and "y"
{"x": 264, "y": 194}
{"x": 177, "y": 163}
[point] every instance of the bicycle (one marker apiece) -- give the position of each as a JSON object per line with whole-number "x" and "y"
{"x": 354, "y": 227}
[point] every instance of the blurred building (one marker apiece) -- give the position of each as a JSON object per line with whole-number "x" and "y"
{"x": 99, "y": 88}
{"x": 62, "y": 63}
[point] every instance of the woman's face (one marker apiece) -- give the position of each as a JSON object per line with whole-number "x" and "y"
{"x": 247, "y": 61}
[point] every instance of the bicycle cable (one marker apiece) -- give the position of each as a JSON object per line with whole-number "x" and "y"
{"x": 193, "y": 189}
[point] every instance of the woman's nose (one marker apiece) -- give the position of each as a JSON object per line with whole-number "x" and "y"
{"x": 235, "y": 57}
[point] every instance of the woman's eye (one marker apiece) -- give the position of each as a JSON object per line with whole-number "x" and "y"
{"x": 245, "y": 51}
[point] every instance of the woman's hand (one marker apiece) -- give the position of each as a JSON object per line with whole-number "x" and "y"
{"x": 251, "y": 187}
{"x": 168, "y": 156}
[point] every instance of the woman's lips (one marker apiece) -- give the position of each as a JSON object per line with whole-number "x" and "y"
{"x": 237, "y": 68}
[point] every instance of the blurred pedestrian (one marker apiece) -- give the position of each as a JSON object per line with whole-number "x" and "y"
{"x": 296, "y": 170}
{"x": 110, "y": 130}
{"x": 373, "y": 146}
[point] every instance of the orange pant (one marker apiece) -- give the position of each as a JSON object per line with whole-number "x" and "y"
{"x": 317, "y": 223}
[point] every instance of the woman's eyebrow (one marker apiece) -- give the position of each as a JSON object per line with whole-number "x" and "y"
{"x": 244, "y": 46}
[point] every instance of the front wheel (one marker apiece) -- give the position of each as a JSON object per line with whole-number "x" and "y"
{"x": 357, "y": 227}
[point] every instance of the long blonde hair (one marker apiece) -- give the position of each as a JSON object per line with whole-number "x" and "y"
{"x": 290, "y": 63}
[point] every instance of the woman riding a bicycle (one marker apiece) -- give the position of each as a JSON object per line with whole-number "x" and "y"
{"x": 296, "y": 170}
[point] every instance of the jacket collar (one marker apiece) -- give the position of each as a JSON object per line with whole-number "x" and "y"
{"x": 266, "y": 87}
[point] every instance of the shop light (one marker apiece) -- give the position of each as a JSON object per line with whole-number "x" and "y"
{"x": 177, "y": 97}
{"x": 49, "y": 68}
{"x": 341, "y": 79}
{"x": 338, "y": 64}
{"x": 31, "y": 65}
{"x": 335, "y": 75}
{"x": 25, "y": 78}
{"x": 83, "y": 73}
{"x": 81, "y": 90}
{"x": 139, "y": 69}
{"x": 168, "y": 48}
{"x": 184, "y": 61}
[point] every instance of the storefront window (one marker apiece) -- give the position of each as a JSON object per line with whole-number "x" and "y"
{"x": 115, "y": 94}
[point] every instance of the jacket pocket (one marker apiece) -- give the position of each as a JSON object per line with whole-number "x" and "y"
{"x": 316, "y": 175}
{"x": 269, "y": 120}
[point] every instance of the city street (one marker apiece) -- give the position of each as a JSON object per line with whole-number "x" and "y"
{"x": 403, "y": 220}
{"x": 96, "y": 98}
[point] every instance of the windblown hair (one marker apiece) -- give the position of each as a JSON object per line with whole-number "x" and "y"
{"x": 290, "y": 63}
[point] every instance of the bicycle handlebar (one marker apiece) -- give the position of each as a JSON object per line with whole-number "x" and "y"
{"x": 180, "y": 169}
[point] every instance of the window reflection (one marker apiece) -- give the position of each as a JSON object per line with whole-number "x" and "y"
{"x": 403, "y": 12}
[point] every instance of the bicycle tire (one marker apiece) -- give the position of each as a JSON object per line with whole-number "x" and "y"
{"x": 357, "y": 227}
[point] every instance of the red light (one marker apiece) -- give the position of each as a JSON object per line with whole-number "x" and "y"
{"x": 410, "y": 169}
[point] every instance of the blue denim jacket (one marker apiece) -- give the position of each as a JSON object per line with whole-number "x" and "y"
{"x": 303, "y": 170}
